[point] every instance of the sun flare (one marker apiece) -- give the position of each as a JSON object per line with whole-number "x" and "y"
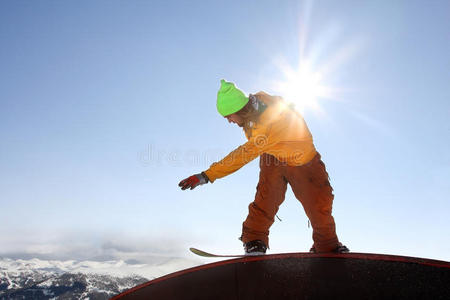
{"x": 302, "y": 87}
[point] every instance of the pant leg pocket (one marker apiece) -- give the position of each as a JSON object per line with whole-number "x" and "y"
{"x": 319, "y": 178}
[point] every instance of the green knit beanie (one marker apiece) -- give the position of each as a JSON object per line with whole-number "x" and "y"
{"x": 230, "y": 99}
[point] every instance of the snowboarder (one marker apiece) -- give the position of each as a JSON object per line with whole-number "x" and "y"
{"x": 279, "y": 135}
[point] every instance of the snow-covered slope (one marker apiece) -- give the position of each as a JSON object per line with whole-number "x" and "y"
{"x": 65, "y": 286}
{"x": 52, "y": 279}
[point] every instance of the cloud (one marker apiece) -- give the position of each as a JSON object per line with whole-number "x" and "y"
{"x": 92, "y": 246}
{"x": 115, "y": 254}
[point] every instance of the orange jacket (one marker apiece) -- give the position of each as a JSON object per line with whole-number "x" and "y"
{"x": 280, "y": 131}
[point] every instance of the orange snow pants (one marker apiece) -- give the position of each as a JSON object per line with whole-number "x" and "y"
{"x": 311, "y": 187}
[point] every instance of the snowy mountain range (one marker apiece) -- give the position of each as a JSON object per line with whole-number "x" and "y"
{"x": 52, "y": 279}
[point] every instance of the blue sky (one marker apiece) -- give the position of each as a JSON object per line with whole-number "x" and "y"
{"x": 106, "y": 105}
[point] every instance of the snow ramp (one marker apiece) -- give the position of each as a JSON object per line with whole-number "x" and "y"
{"x": 303, "y": 276}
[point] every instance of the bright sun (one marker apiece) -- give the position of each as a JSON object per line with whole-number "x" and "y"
{"x": 302, "y": 87}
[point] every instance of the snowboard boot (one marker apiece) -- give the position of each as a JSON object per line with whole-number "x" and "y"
{"x": 255, "y": 247}
{"x": 339, "y": 249}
